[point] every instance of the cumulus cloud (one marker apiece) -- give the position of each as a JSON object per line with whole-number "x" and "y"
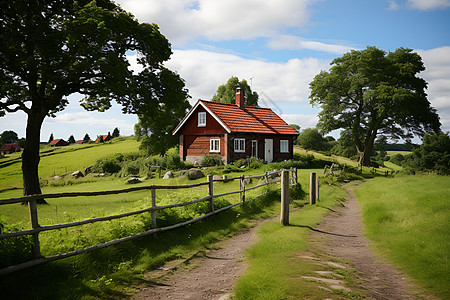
{"x": 288, "y": 42}
{"x": 204, "y": 71}
{"x": 219, "y": 20}
{"x": 305, "y": 121}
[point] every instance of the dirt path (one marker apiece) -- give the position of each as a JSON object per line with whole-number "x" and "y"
{"x": 341, "y": 235}
{"x": 209, "y": 277}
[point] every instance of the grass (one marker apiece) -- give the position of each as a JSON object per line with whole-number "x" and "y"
{"x": 408, "y": 218}
{"x": 275, "y": 265}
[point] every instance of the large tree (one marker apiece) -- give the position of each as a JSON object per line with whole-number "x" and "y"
{"x": 50, "y": 49}
{"x": 8, "y": 137}
{"x": 371, "y": 92}
{"x": 226, "y": 93}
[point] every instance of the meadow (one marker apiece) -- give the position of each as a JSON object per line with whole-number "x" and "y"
{"x": 408, "y": 220}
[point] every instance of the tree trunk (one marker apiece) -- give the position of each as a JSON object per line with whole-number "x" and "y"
{"x": 364, "y": 155}
{"x": 30, "y": 156}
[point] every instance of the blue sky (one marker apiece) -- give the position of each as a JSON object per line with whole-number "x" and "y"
{"x": 276, "y": 45}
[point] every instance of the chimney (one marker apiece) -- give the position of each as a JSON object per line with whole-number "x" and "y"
{"x": 239, "y": 97}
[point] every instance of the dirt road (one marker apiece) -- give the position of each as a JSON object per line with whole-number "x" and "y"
{"x": 339, "y": 235}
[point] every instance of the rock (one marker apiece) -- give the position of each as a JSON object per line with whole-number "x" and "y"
{"x": 241, "y": 167}
{"x": 55, "y": 177}
{"x": 77, "y": 174}
{"x": 195, "y": 174}
{"x": 168, "y": 175}
{"x": 88, "y": 170}
{"x": 134, "y": 180}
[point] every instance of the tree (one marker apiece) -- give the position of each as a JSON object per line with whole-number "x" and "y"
{"x": 369, "y": 92}
{"x": 154, "y": 129}
{"x": 8, "y": 137}
{"x": 312, "y": 139}
{"x": 51, "y": 138}
{"x": 51, "y": 49}
{"x": 100, "y": 140}
{"x": 71, "y": 140}
{"x": 116, "y": 133}
{"x": 226, "y": 93}
{"x": 86, "y": 138}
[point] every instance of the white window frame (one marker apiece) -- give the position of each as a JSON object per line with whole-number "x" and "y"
{"x": 284, "y": 146}
{"x": 239, "y": 145}
{"x": 212, "y": 145}
{"x": 201, "y": 119}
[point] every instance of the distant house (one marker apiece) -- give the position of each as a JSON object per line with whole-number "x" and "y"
{"x": 58, "y": 143}
{"x": 9, "y": 148}
{"x": 82, "y": 141}
{"x": 106, "y": 137}
{"x": 234, "y": 131}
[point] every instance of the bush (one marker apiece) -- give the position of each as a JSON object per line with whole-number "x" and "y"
{"x": 211, "y": 160}
{"x": 14, "y": 250}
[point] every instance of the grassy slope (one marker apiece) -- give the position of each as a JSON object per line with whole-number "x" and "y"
{"x": 408, "y": 218}
{"x": 63, "y": 160}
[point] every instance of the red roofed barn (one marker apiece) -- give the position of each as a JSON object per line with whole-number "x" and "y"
{"x": 58, "y": 142}
{"x": 9, "y": 148}
{"x": 106, "y": 137}
{"x": 234, "y": 131}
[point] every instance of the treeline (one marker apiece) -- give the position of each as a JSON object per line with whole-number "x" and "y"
{"x": 432, "y": 156}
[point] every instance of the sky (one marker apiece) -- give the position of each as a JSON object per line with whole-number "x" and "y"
{"x": 278, "y": 46}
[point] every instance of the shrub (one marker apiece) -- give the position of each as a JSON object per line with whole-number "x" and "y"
{"x": 211, "y": 160}
{"x": 14, "y": 250}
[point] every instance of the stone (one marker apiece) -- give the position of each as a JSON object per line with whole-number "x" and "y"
{"x": 195, "y": 174}
{"x": 169, "y": 174}
{"x": 134, "y": 180}
{"x": 77, "y": 174}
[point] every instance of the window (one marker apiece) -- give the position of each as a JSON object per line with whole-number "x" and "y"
{"x": 239, "y": 145}
{"x": 255, "y": 148}
{"x": 201, "y": 119}
{"x": 284, "y": 146}
{"x": 214, "y": 145}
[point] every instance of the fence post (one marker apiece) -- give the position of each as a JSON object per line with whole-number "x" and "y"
{"x": 296, "y": 175}
{"x": 343, "y": 170}
{"x": 211, "y": 192}
{"x": 317, "y": 189}
{"x": 242, "y": 188}
{"x": 153, "y": 206}
{"x": 36, "y": 249}
{"x": 284, "y": 218}
{"x": 312, "y": 188}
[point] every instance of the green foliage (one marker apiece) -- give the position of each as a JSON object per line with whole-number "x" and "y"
{"x": 116, "y": 133}
{"x": 211, "y": 160}
{"x": 71, "y": 140}
{"x": 397, "y": 159}
{"x": 369, "y": 92}
{"x": 226, "y": 93}
{"x": 110, "y": 164}
{"x": 51, "y": 138}
{"x": 14, "y": 250}
{"x": 8, "y": 137}
{"x": 433, "y": 155}
{"x": 312, "y": 139}
{"x": 86, "y": 138}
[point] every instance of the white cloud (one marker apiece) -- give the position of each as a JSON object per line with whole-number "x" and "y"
{"x": 428, "y": 4}
{"x": 219, "y": 20}
{"x": 281, "y": 82}
{"x": 305, "y": 121}
{"x": 288, "y": 42}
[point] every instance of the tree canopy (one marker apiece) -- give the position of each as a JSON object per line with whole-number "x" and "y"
{"x": 51, "y": 49}
{"x": 8, "y": 137}
{"x": 116, "y": 133}
{"x": 312, "y": 139}
{"x": 370, "y": 92}
{"x": 226, "y": 93}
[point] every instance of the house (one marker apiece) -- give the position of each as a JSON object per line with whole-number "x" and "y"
{"x": 9, "y": 148}
{"x": 106, "y": 137}
{"x": 234, "y": 131}
{"x": 58, "y": 142}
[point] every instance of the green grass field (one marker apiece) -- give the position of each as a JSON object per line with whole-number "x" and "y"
{"x": 408, "y": 218}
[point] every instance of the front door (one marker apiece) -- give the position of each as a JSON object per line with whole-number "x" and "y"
{"x": 268, "y": 150}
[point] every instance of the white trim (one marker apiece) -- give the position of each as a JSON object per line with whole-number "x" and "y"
{"x": 212, "y": 144}
{"x": 238, "y": 144}
{"x": 192, "y": 111}
{"x": 287, "y": 146}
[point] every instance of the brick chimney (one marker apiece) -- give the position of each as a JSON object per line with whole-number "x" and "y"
{"x": 239, "y": 97}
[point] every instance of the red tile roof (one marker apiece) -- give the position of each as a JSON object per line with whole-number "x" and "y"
{"x": 249, "y": 118}
{"x": 54, "y": 141}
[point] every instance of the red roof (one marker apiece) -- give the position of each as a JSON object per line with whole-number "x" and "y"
{"x": 9, "y": 147}
{"x": 54, "y": 142}
{"x": 244, "y": 119}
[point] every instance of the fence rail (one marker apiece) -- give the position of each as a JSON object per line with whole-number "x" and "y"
{"x": 269, "y": 178}
{"x": 336, "y": 167}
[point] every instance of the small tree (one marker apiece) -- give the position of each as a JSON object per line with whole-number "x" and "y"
{"x": 100, "y": 140}
{"x": 226, "y": 93}
{"x": 86, "y": 138}
{"x": 311, "y": 138}
{"x": 51, "y": 138}
{"x": 295, "y": 126}
{"x": 116, "y": 133}
{"x": 8, "y": 137}
{"x": 71, "y": 140}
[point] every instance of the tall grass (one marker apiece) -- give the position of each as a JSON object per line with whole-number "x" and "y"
{"x": 408, "y": 218}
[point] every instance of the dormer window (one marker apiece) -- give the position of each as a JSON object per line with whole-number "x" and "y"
{"x": 201, "y": 119}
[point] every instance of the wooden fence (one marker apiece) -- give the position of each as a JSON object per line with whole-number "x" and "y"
{"x": 269, "y": 178}
{"x": 336, "y": 168}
